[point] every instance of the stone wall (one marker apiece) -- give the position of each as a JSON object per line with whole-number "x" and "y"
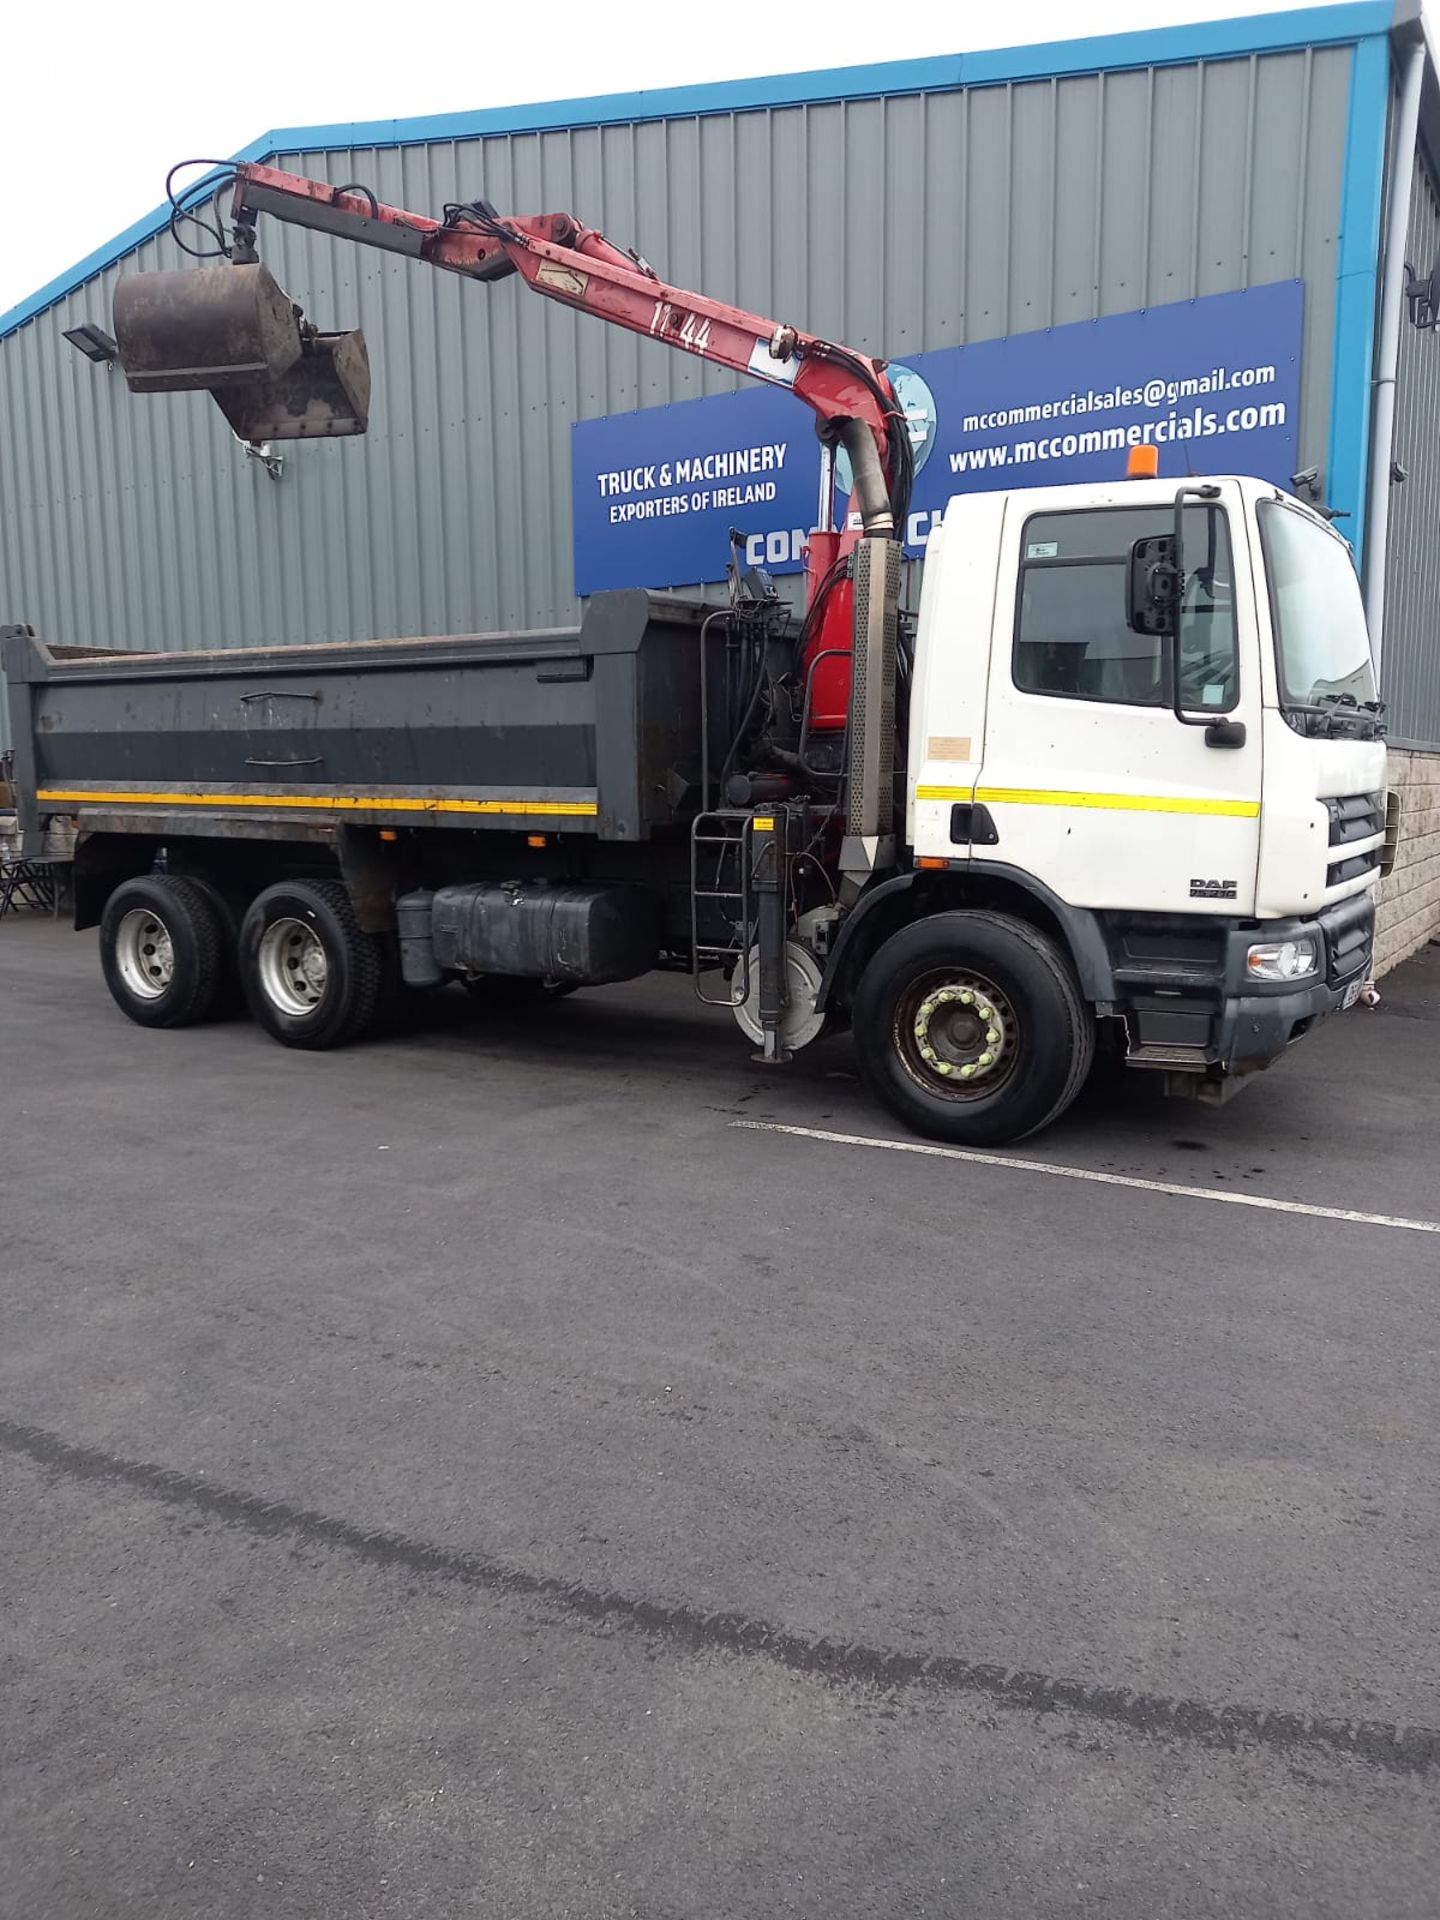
{"x": 1410, "y": 898}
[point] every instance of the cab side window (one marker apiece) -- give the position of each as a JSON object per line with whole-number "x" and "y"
{"x": 1071, "y": 637}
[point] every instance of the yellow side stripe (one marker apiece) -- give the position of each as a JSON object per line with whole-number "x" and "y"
{"x": 409, "y": 803}
{"x": 1109, "y": 802}
{"x": 326, "y": 802}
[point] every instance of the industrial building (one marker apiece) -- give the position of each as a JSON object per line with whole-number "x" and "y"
{"x": 909, "y": 208}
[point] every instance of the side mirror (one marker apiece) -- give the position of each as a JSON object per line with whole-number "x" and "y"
{"x": 1152, "y": 584}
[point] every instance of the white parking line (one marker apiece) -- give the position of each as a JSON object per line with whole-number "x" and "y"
{"x": 1090, "y": 1173}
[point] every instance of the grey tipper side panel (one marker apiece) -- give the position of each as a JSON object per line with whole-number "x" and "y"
{"x": 594, "y": 728}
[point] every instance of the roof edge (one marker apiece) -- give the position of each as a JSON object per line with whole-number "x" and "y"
{"x": 1311, "y": 26}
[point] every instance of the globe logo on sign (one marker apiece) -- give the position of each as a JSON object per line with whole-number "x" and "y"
{"x": 918, "y": 404}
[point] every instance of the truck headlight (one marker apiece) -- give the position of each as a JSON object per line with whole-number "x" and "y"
{"x": 1283, "y": 959}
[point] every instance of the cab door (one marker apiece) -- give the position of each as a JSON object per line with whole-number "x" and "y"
{"x": 1093, "y": 784}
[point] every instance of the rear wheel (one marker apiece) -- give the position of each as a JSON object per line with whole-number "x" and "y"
{"x": 229, "y": 999}
{"x": 163, "y": 951}
{"x": 311, "y": 977}
{"x": 970, "y": 1026}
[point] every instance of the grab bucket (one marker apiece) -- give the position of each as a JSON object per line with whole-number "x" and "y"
{"x": 203, "y": 328}
{"x": 233, "y": 332}
{"x": 324, "y": 395}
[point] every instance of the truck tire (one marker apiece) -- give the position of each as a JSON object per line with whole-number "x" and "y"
{"x": 311, "y": 977}
{"x": 163, "y": 951}
{"x": 230, "y": 996}
{"x": 970, "y": 1026}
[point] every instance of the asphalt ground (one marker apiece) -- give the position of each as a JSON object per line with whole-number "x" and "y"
{"x": 470, "y": 1474}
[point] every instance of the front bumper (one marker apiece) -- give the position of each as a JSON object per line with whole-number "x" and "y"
{"x": 1256, "y": 1029}
{"x": 1257, "y": 1023}
{"x": 1193, "y": 1010}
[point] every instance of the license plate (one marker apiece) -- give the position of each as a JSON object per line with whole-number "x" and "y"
{"x": 1352, "y": 994}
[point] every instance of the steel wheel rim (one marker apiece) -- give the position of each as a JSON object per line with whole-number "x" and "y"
{"x": 293, "y": 966}
{"x": 957, "y": 1035}
{"x": 145, "y": 953}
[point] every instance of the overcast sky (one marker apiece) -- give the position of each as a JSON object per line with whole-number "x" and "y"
{"x": 100, "y": 99}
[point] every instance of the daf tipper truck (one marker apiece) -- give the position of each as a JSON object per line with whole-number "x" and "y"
{"x": 1123, "y": 775}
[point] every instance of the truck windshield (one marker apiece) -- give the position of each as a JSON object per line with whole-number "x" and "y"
{"x": 1321, "y": 642}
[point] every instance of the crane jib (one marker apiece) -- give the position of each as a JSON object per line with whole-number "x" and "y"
{"x": 232, "y": 331}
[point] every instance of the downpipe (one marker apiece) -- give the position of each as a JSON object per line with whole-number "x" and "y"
{"x": 1387, "y": 358}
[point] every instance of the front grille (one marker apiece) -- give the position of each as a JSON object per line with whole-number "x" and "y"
{"x": 1349, "y": 936}
{"x": 1352, "y": 868}
{"x": 1354, "y": 817}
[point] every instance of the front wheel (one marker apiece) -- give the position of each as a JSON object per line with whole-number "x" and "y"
{"x": 970, "y": 1026}
{"x": 312, "y": 977}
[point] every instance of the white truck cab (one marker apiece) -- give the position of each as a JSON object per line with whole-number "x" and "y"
{"x": 1209, "y": 850}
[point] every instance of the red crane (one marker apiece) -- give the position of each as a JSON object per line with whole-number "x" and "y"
{"x": 161, "y": 319}
{"x": 558, "y": 257}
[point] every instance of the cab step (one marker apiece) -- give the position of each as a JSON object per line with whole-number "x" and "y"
{"x": 1173, "y": 1059}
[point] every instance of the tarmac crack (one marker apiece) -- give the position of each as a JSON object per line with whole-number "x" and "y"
{"x": 1394, "y": 1749}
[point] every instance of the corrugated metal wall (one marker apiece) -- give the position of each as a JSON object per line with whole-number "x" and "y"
{"x": 894, "y": 224}
{"x": 1412, "y": 573}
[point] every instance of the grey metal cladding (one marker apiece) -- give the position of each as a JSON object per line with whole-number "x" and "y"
{"x": 897, "y": 224}
{"x": 1412, "y": 574}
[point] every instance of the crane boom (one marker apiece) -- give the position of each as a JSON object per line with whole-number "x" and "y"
{"x": 560, "y": 258}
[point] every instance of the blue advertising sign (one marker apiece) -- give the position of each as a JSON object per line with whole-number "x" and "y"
{"x": 1214, "y": 383}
